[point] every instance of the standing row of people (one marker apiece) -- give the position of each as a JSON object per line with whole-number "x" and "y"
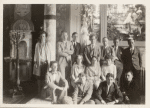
{"x": 93, "y": 73}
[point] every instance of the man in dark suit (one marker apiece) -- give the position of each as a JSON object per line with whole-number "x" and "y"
{"x": 132, "y": 60}
{"x": 92, "y": 50}
{"x": 130, "y": 89}
{"x": 108, "y": 92}
{"x": 106, "y": 50}
{"x": 118, "y": 58}
{"x": 77, "y": 47}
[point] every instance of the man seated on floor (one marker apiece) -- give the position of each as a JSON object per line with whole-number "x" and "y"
{"x": 130, "y": 89}
{"x": 83, "y": 91}
{"x": 56, "y": 85}
{"x": 108, "y": 92}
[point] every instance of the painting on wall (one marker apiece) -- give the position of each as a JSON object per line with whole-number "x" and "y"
{"x": 125, "y": 19}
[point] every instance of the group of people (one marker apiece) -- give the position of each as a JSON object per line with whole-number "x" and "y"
{"x": 96, "y": 75}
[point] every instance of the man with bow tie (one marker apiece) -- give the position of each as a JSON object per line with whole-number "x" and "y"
{"x": 65, "y": 50}
{"x": 77, "y": 47}
{"x": 132, "y": 60}
{"x": 92, "y": 50}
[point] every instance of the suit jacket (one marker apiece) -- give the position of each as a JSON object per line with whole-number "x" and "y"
{"x": 108, "y": 51}
{"x": 119, "y": 52}
{"x": 85, "y": 92}
{"x": 132, "y": 91}
{"x": 132, "y": 60}
{"x": 65, "y": 51}
{"x": 77, "y": 51}
{"x": 113, "y": 93}
{"x": 89, "y": 53}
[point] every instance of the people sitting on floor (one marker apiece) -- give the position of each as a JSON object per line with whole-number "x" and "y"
{"x": 130, "y": 89}
{"x": 109, "y": 67}
{"x": 77, "y": 68}
{"x": 93, "y": 72}
{"x": 108, "y": 92}
{"x": 57, "y": 86}
{"x": 83, "y": 91}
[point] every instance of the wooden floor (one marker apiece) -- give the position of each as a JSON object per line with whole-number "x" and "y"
{"x": 29, "y": 90}
{"x": 19, "y": 100}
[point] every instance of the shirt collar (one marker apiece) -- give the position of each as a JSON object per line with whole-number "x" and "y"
{"x": 132, "y": 48}
{"x": 53, "y": 73}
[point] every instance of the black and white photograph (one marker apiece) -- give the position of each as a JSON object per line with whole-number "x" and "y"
{"x": 58, "y": 54}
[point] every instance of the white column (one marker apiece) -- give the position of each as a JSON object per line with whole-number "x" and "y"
{"x": 50, "y": 27}
{"x": 103, "y": 20}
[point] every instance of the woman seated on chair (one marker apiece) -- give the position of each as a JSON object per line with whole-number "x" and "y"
{"x": 109, "y": 67}
{"x": 93, "y": 73}
{"x": 56, "y": 84}
{"x": 77, "y": 68}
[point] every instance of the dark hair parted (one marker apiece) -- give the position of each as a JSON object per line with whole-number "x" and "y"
{"x": 92, "y": 35}
{"x": 108, "y": 56}
{"x": 74, "y": 33}
{"x": 104, "y": 38}
{"x": 130, "y": 71}
{"x": 116, "y": 38}
{"x": 53, "y": 62}
{"x": 43, "y": 32}
{"x": 109, "y": 75}
{"x": 62, "y": 32}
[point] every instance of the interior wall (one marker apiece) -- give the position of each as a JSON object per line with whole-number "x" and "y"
{"x": 75, "y": 19}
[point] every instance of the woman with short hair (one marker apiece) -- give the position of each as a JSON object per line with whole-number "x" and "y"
{"x": 77, "y": 68}
{"x": 42, "y": 59}
{"x": 93, "y": 72}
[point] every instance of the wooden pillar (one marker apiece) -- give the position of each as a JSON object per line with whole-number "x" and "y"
{"x": 50, "y": 27}
{"x": 103, "y": 20}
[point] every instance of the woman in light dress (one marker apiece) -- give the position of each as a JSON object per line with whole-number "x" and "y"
{"x": 77, "y": 68}
{"x": 93, "y": 73}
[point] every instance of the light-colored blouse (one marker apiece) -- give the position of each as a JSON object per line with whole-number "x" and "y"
{"x": 93, "y": 73}
{"x": 108, "y": 69}
{"x": 76, "y": 70}
{"x": 41, "y": 55}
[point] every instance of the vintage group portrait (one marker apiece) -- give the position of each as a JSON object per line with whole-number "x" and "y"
{"x": 74, "y": 54}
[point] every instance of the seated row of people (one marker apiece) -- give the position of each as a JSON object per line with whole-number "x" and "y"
{"x": 107, "y": 91}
